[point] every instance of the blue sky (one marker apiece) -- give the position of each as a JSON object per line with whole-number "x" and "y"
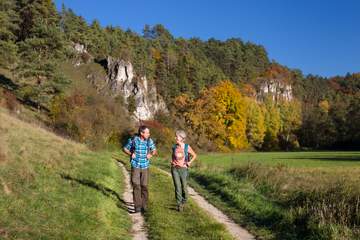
{"x": 316, "y": 36}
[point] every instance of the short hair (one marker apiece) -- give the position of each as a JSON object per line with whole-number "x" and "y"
{"x": 181, "y": 133}
{"x": 142, "y": 129}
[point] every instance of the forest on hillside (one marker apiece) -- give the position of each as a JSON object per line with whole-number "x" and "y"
{"x": 212, "y": 88}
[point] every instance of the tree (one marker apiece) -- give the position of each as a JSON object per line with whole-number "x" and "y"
{"x": 41, "y": 41}
{"x": 41, "y": 46}
{"x": 220, "y": 113}
{"x": 97, "y": 41}
{"x": 9, "y": 25}
{"x": 74, "y": 27}
{"x": 318, "y": 129}
{"x": 272, "y": 124}
{"x": 290, "y": 115}
{"x": 255, "y": 126}
{"x": 353, "y": 121}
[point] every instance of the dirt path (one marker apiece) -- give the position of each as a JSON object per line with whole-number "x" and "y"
{"x": 138, "y": 229}
{"x": 235, "y": 230}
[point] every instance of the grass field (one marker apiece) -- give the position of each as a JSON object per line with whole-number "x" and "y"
{"x": 52, "y": 188}
{"x": 285, "y": 195}
{"x": 291, "y": 159}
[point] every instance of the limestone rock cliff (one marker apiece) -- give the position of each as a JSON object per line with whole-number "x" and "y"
{"x": 122, "y": 80}
{"x": 276, "y": 89}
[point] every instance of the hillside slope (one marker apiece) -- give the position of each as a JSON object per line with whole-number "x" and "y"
{"x": 52, "y": 188}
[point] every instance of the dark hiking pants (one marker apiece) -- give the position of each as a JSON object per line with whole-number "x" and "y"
{"x": 179, "y": 176}
{"x": 140, "y": 180}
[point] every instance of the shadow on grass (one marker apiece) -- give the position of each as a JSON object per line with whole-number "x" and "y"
{"x": 128, "y": 206}
{"x": 11, "y": 86}
{"x": 7, "y": 83}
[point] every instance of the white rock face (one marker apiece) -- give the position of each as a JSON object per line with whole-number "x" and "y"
{"x": 122, "y": 80}
{"x": 79, "y": 48}
{"x": 277, "y": 89}
{"x": 81, "y": 51}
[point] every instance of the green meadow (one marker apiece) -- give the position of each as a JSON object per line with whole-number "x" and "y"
{"x": 285, "y": 195}
{"x": 291, "y": 159}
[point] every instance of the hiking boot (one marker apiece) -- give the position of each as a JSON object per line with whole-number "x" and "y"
{"x": 180, "y": 208}
{"x": 183, "y": 206}
{"x": 143, "y": 210}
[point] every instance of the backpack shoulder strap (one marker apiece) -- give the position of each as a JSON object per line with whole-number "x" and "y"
{"x": 132, "y": 149}
{"x": 148, "y": 145}
{"x": 186, "y": 150}
{"x": 173, "y": 150}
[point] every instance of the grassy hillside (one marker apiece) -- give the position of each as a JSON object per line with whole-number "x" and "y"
{"x": 52, "y": 188}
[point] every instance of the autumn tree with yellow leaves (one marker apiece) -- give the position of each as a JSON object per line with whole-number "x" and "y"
{"x": 220, "y": 113}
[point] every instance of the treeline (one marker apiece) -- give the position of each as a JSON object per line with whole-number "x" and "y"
{"x": 190, "y": 74}
{"x": 330, "y": 112}
{"x": 234, "y": 121}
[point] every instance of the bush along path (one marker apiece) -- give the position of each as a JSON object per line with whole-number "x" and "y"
{"x": 234, "y": 229}
{"x": 198, "y": 221}
{"x": 138, "y": 230}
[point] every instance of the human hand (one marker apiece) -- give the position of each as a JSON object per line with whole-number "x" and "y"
{"x": 149, "y": 156}
{"x": 133, "y": 155}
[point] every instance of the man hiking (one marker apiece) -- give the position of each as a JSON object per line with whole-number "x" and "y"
{"x": 140, "y": 148}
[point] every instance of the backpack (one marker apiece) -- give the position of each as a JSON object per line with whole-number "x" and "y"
{"x": 186, "y": 152}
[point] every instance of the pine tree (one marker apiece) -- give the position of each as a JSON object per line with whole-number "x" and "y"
{"x": 9, "y": 25}
{"x": 74, "y": 27}
{"x": 41, "y": 46}
{"x": 97, "y": 41}
{"x": 41, "y": 41}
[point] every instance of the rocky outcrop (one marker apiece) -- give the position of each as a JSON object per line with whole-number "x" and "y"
{"x": 278, "y": 90}
{"x": 79, "y": 48}
{"x": 81, "y": 54}
{"x": 122, "y": 80}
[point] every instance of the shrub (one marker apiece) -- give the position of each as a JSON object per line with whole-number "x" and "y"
{"x": 9, "y": 100}
{"x": 89, "y": 117}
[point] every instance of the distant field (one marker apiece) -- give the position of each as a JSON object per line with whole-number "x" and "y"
{"x": 291, "y": 159}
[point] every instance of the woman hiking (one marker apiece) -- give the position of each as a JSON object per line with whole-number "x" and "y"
{"x": 182, "y": 157}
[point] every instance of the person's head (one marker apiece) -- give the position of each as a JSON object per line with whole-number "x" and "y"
{"x": 180, "y": 136}
{"x": 144, "y": 132}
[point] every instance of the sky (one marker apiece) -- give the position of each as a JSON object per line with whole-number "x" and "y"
{"x": 320, "y": 37}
